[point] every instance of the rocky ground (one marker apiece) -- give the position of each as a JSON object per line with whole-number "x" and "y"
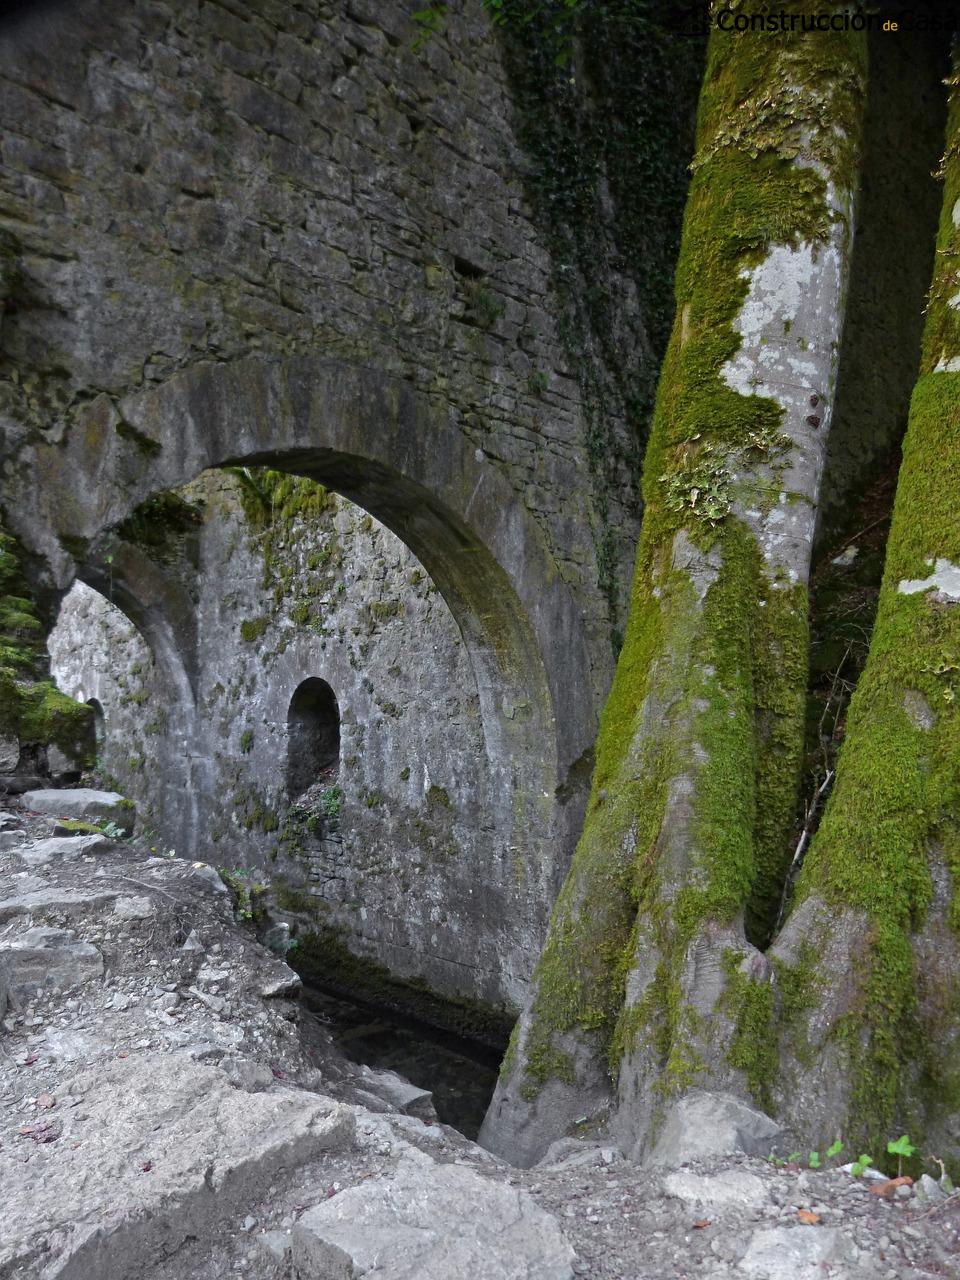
{"x": 167, "y": 1113}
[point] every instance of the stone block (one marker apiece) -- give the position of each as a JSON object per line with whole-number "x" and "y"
{"x": 434, "y": 1222}
{"x": 83, "y": 804}
{"x": 705, "y": 1124}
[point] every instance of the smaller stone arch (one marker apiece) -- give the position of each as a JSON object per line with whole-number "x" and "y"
{"x": 313, "y": 736}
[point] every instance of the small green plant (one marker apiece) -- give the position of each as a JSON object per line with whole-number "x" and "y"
{"x": 112, "y": 831}
{"x": 331, "y": 803}
{"x": 324, "y": 806}
{"x": 901, "y": 1147}
{"x": 247, "y": 893}
{"x": 834, "y": 1149}
{"x": 814, "y": 1160}
{"x": 246, "y": 741}
{"x": 484, "y": 308}
{"x": 538, "y": 382}
{"x": 430, "y": 22}
{"x": 861, "y": 1165}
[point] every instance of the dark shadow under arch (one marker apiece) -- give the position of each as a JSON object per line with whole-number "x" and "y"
{"x": 313, "y": 736}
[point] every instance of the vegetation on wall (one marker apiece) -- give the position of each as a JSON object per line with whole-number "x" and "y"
{"x": 605, "y": 96}
{"x": 32, "y": 709}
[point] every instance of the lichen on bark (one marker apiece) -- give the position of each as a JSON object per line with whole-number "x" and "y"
{"x": 700, "y": 741}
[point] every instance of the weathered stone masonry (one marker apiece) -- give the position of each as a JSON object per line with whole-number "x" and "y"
{"x": 271, "y": 233}
{"x": 412, "y": 868}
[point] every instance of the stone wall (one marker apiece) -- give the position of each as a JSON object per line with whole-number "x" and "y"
{"x": 205, "y": 181}
{"x": 286, "y": 233}
{"x": 400, "y": 850}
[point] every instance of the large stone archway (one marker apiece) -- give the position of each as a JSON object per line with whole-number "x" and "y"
{"x": 374, "y": 440}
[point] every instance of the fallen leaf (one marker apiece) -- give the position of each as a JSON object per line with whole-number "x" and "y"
{"x": 147, "y": 1166}
{"x": 123, "y": 1054}
{"x": 46, "y": 1101}
{"x": 808, "y": 1216}
{"x": 30, "y": 1060}
{"x": 701, "y": 1223}
{"x": 887, "y": 1189}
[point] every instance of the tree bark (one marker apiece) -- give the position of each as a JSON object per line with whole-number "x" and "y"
{"x": 651, "y": 981}
{"x": 867, "y": 962}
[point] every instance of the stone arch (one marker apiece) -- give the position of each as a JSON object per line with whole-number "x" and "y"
{"x": 406, "y": 458}
{"x": 313, "y": 736}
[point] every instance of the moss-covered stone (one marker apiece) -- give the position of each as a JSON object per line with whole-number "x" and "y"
{"x": 707, "y": 702}
{"x": 32, "y": 709}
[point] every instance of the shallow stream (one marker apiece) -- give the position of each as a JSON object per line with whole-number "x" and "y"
{"x": 460, "y": 1073}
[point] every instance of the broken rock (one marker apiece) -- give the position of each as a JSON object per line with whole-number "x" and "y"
{"x": 705, "y": 1124}
{"x": 210, "y": 1148}
{"x": 433, "y": 1222}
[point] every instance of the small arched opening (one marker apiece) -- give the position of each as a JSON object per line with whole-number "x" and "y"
{"x": 99, "y": 724}
{"x": 313, "y": 737}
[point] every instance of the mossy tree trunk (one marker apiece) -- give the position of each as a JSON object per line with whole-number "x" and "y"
{"x": 867, "y": 963}
{"x": 651, "y": 981}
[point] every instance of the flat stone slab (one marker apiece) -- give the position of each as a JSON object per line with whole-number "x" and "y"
{"x": 398, "y": 1092}
{"x": 45, "y": 958}
{"x": 61, "y": 849}
{"x": 67, "y": 901}
{"x": 83, "y": 804}
{"x": 734, "y": 1187}
{"x": 435, "y": 1222}
{"x": 147, "y": 1151}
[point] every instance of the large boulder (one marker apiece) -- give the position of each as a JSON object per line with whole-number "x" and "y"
{"x": 85, "y": 805}
{"x": 433, "y": 1222}
{"x": 702, "y": 1124}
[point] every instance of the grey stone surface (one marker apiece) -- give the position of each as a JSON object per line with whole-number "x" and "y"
{"x": 45, "y": 957}
{"x": 206, "y": 1144}
{"x": 708, "y": 1124}
{"x": 324, "y": 260}
{"x": 795, "y": 1253}
{"x": 734, "y": 1187}
{"x": 247, "y": 1074}
{"x": 433, "y": 1222}
{"x": 400, "y": 1093}
{"x": 83, "y": 804}
{"x": 68, "y": 902}
{"x": 40, "y": 852}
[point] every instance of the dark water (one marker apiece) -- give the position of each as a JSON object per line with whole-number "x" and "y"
{"x": 460, "y": 1073}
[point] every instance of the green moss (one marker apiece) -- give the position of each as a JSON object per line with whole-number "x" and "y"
{"x": 246, "y": 741}
{"x": 253, "y": 628}
{"x": 751, "y": 1004}
{"x": 160, "y": 524}
{"x": 716, "y": 680}
{"x": 895, "y": 808}
{"x": 607, "y": 178}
